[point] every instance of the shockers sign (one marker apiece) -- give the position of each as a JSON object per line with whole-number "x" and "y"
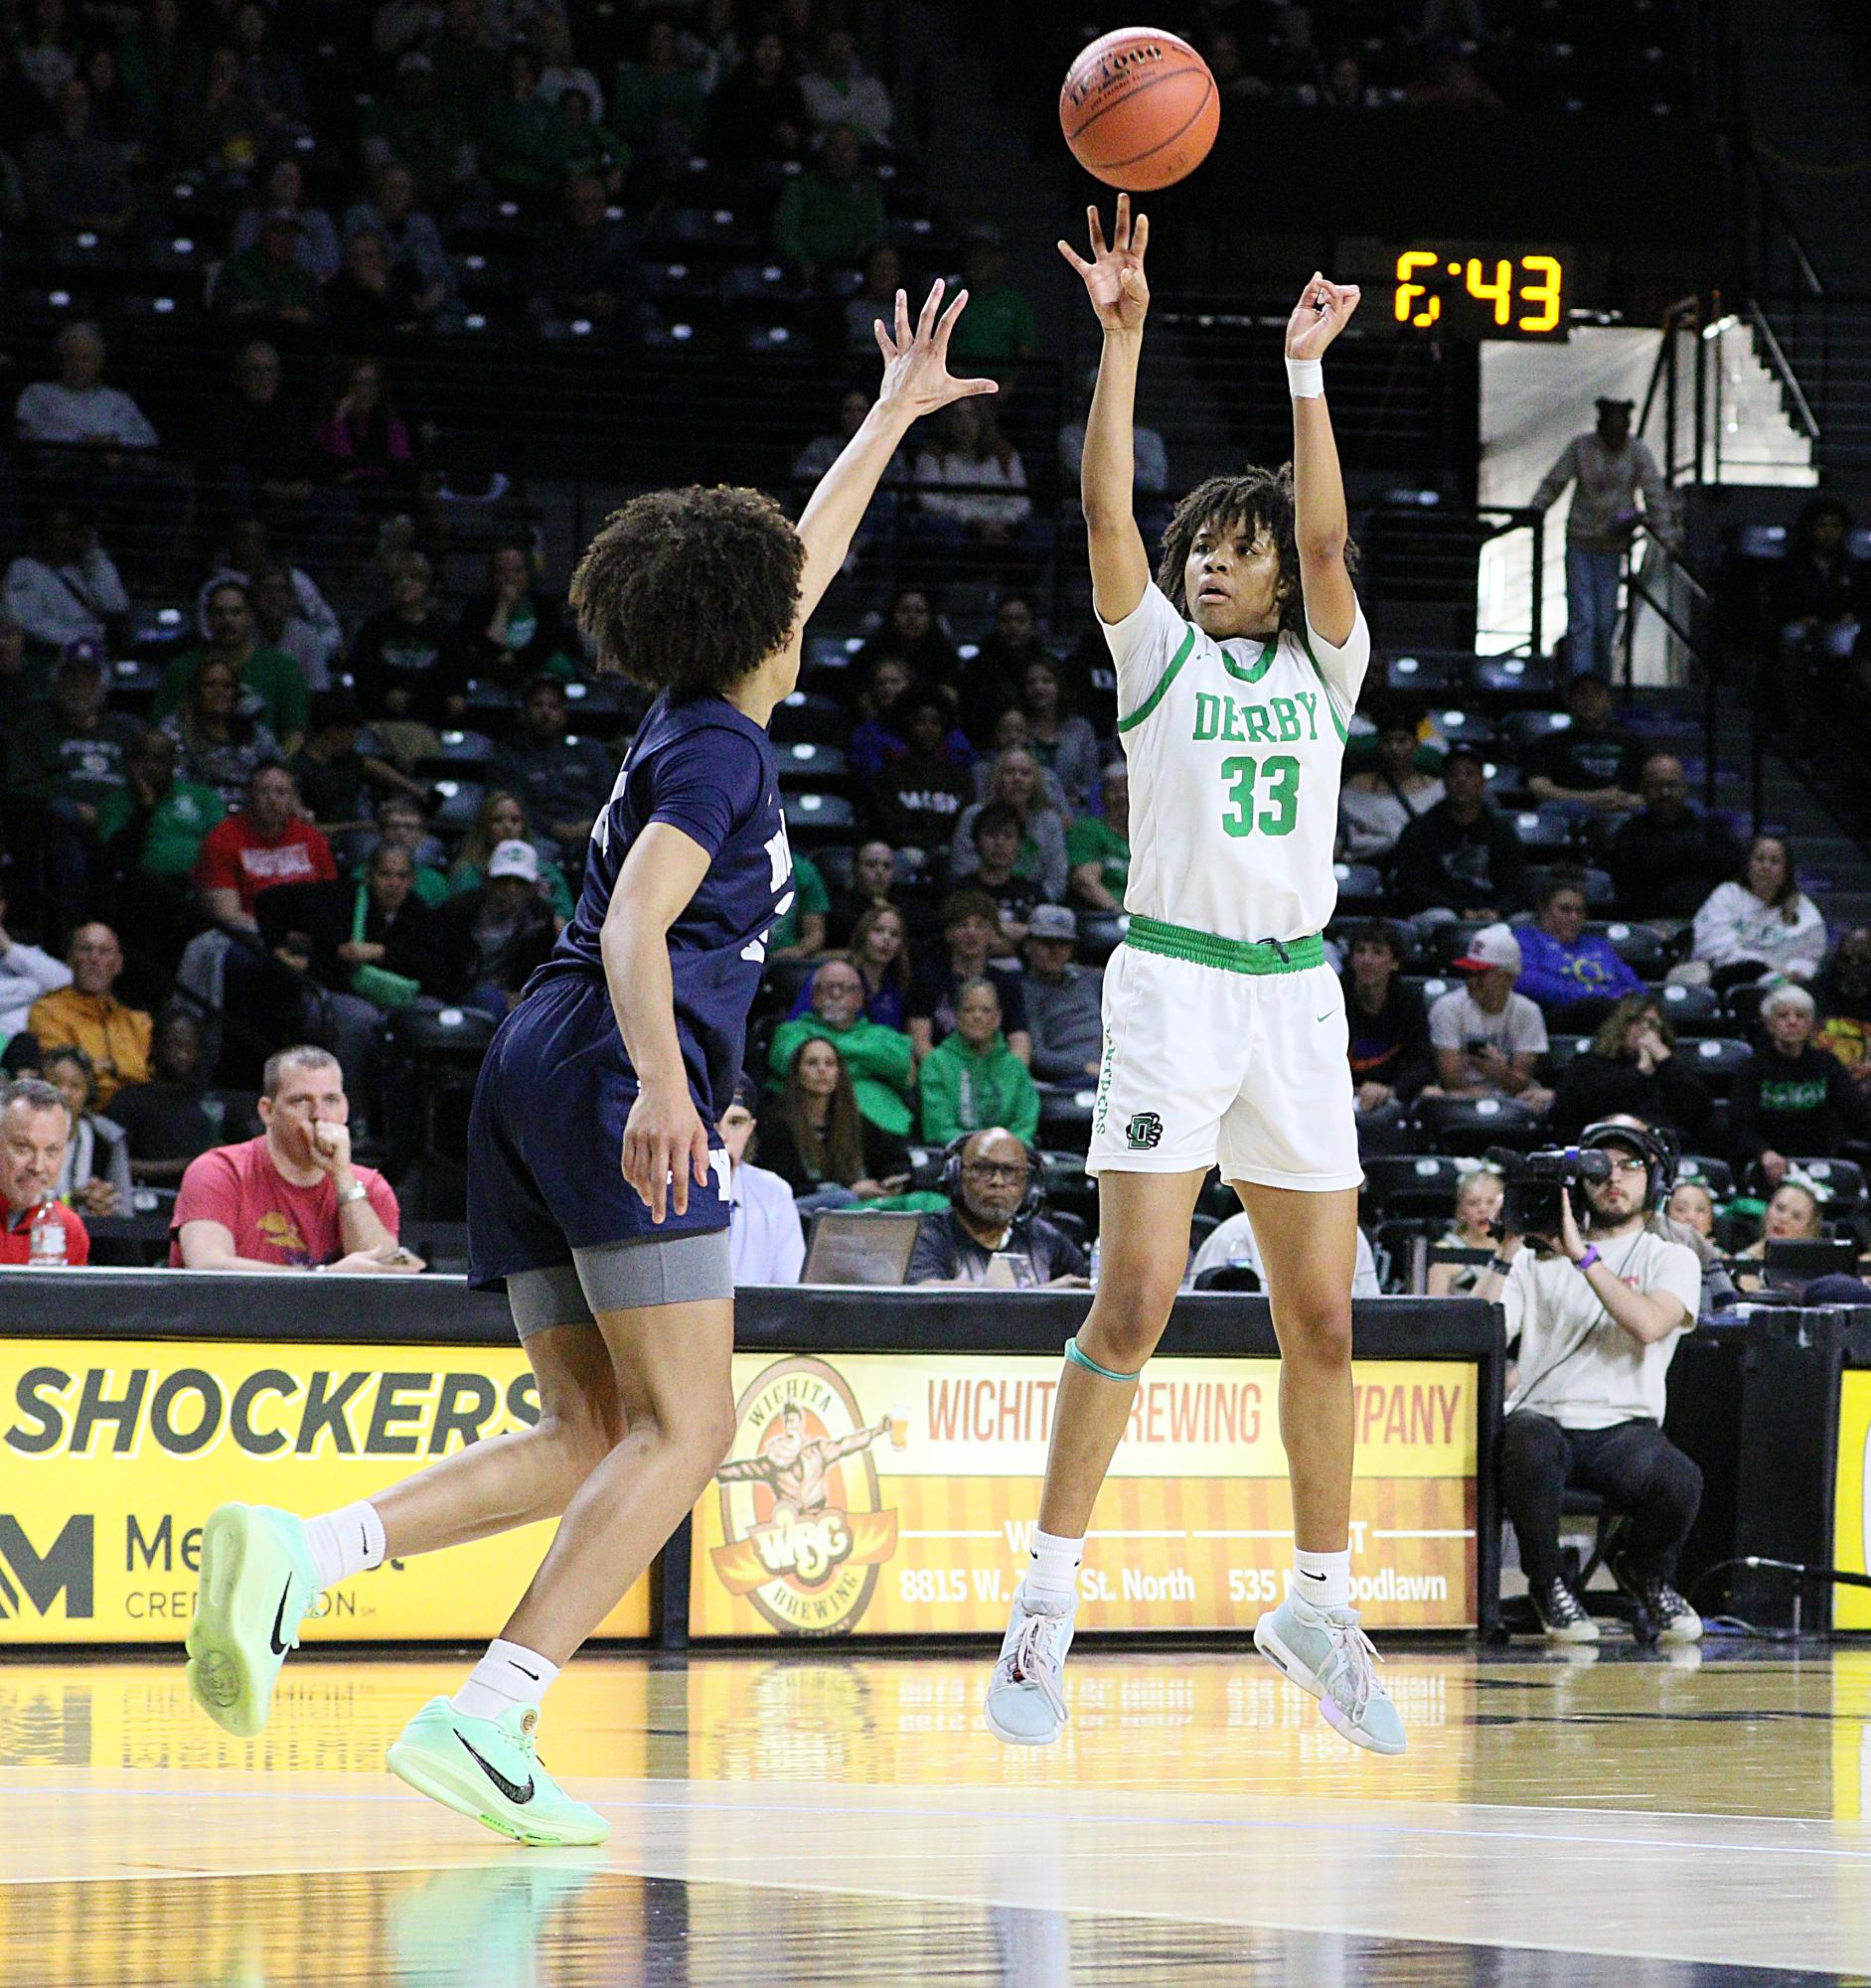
{"x": 803, "y": 1528}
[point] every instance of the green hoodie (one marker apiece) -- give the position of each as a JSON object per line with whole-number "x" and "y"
{"x": 966, "y": 1090}
{"x": 881, "y": 1062}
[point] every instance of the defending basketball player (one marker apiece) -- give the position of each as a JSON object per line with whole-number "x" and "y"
{"x": 628, "y": 1042}
{"x": 1238, "y": 669}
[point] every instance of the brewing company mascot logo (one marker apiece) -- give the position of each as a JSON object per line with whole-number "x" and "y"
{"x": 801, "y": 1516}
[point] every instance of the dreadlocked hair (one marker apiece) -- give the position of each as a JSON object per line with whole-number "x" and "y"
{"x": 690, "y": 590}
{"x": 1256, "y": 499}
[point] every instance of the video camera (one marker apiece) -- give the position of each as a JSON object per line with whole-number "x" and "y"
{"x": 1532, "y": 1183}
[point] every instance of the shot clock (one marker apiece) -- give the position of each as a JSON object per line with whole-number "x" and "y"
{"x": 1480, "y": 290}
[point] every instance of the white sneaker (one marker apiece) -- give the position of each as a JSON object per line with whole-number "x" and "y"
{"x": 1025, "y": 1704}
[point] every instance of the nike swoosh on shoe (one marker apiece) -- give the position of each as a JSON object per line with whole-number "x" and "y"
{"x": 280, "y": 1617}
{"x": 510, "y": 1789}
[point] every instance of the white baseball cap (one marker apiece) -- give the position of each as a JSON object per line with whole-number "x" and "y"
{"x": 518, "y": 858}
{"x": 1491, "y": 946}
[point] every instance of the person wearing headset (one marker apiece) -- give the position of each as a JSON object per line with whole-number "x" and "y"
{"x": 1598, "y": 1310}
{"x": 995, "y": 1191}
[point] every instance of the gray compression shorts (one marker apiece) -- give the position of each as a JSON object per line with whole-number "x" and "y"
{"x": 622, "y": 1277}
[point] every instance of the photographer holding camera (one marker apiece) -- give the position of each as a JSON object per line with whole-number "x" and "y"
{"x": 1596, "y": 1304}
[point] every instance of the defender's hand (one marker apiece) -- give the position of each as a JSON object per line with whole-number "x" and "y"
{"x": 1114, "y": 277}
{"x": 916, "y": 378}
{"x": 1323, "y": 312}
{"x": 664, "y": 1140}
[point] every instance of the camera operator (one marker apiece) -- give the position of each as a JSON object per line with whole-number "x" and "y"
{"x": 1597, "y": 1308}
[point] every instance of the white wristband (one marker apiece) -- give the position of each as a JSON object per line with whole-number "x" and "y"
{"x": 1306, "y": 378}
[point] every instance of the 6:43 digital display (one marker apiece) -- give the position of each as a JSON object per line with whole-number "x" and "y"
{"x": 1480, "y": 290}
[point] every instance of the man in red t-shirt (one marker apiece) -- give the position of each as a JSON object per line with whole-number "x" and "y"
{"x": 290, "y": 1199}
{"x": 264, "y": 845}
{"x": 34, "y": 1130}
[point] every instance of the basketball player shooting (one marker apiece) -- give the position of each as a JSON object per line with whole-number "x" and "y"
{"x": 1224, "y": 1033}
{"x": 598, "y": 1189}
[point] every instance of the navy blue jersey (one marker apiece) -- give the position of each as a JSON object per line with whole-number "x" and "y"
{"x": 708, "y": 770}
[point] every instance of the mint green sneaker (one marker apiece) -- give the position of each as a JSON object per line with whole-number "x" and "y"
{"x": 1326, "y": 1652}
{"x": 486, "y": 1769}
{"x": 1025, "y": 1703}
{"x": 257, "y": 1585}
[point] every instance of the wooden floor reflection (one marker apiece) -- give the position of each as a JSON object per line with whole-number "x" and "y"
{"x": 823, "y": 1817}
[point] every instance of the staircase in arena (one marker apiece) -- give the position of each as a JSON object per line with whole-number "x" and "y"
{"x": 1829, "y": 349}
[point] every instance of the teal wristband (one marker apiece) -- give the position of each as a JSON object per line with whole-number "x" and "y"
{"x": 1084, "y": 1360}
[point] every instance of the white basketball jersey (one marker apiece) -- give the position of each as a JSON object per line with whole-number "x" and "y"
{"x": 1235, "y": 751}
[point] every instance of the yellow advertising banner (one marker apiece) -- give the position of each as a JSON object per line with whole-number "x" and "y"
{"x": 896, "y": 1495}
{"x": 1851, "y": 1500}
{"x": 112, "y": 1453}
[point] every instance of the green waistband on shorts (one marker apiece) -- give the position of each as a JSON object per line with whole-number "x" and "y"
{"x": 1232, "y": 956}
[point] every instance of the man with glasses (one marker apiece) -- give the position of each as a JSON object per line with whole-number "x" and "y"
{"x": 988, "y": 1216}
{"x": 1597, "y": 1310}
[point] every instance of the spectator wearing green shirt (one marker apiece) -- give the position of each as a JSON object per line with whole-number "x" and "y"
{"x": 830, "y": 216}
{"x": 971, "y": 1079}
{"x": 268, "y": 282}
{"x": 658, "y": 104}
{"x": 523, "y": 141}
{"x": 153, "y": 825}
{"x": 68, "y": 754}
{"x": 1098, "y": 847}
{"x": 402, "y": 825}
{"x": 800, "y": 932}
{"x": 998, "y": 329}
{"x": 419, "y": 127}
{"x": 503, "y": 819}
{"x": 882, "y": 1061}
{"x": 272, "y": 689}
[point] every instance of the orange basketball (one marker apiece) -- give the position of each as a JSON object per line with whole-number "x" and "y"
{"x": 1140, "y": 109}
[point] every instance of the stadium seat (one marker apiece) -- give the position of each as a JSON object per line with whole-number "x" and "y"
{"x": 1065, "y": 1112}
{"x": 1420, "y": 675}
{"x": 1511, "y": 675}
{"x": 1547, "y": 831}
{"x": 1691, "y": 1010}
{"x": 1473, "y": 1125}
{"x": 1360, "y": 886}
{"x": 783, "y": 982}
{"x": 1714, "y": 1175}
{"x": 1742, "y": 1006}
{"x": 1520, "y": 729}
{"x": 802, "y": 762}
{"x": 1068, "y": 1186}
{"x": 1639, "y": 947}
{"x": 460, "y": 803}
{"x": 1399, "y": 1185}
{"x": 809, "y": 718}
{"x": 1561, "y": 1050}
{"x": 1432, "y": 987}
{"x": 1464, "y": 728}
{"x": 1716, "y": 1059}
{"x": 1099, "y": 936}
{"x": 814, "y": 819}
{"x": 1447, "y": 940}
{"x": 463, "y": 748}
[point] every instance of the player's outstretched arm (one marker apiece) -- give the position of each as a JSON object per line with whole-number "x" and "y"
{"x": 1120, "y": 297}
{"x": 916, "y": 381}
{"x": 1320, "y": 527}
{"x": 664, "y": 1139}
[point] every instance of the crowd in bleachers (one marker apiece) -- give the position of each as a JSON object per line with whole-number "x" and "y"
{"x": 314, "y": 760}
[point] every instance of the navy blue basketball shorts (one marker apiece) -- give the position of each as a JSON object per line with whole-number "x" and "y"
{"x": 549, "y": 1212}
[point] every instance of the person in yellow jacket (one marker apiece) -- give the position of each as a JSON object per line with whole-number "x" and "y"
{"x": 88, "y": 1017}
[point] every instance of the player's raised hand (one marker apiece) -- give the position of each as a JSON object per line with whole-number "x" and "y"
{"x": 664, "y": 1142}
{"x": 1114, "y": 277}
{"x": 916, "y": 377}
{"x": 1323, "y": 312}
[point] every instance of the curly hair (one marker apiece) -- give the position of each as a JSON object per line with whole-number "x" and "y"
{"x": 1257, "y": 499}
{"x": 690, "y": 590}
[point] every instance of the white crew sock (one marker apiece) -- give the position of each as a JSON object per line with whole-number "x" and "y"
{"x": 1323, "y": 1579}
{"x": 510, "y": 1674}
{"x": 1053, "y": 1575}
{"x": 345, "y": 1542}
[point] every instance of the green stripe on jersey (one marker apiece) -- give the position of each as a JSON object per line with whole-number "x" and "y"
{"x": 1337, "y": 724}
{"x": 1164, "y": 682}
